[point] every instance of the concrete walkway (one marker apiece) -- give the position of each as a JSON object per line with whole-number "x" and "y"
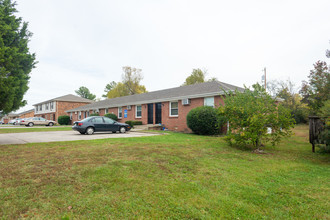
{"x": 53, "y": 136}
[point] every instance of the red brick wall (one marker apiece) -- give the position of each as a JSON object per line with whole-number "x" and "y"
{"x": 178, "y": 123}
{"x": 27, "y": 115}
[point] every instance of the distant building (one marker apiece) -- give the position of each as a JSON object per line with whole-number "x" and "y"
{"x": 53, "y": 108}
{"x": 26, "y": 114}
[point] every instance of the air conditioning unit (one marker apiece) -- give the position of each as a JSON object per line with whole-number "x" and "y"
{"x": 129, "y": 107}
{"x": 185, "y": 101}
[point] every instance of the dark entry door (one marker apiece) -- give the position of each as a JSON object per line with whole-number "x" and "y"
{"x": 158, "y": 117}
{"x": 150, "y": 113}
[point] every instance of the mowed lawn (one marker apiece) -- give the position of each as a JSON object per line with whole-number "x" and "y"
{"x": 169, "y": 176}
{"x": 7, "y": 129}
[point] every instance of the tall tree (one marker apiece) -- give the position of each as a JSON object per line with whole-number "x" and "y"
{"x": 316, "y": 91}
{"x": 108, "y": 88}
{"x": 16, "y": 62}
{"x": 85, "y": 93}
{"x": 130, "y": 84}
{"x": 291, "y": 99}
{"x": 197, "y": 76}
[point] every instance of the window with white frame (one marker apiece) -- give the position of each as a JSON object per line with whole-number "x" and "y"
{"x": 138, "y": 111}
{"x": 36, "y": 109}
{"x": 46, "y": 106}
{"x": 70, "y": 115}
{"x": 51, "y": 105}
{"x": 40, "y": 107}
{"x": 79, "y": 115}
{"x": 120, "y": 112}
{"x": 174, "y": 109}
{"x": 209, "y": 101}
{"x": 106, "y": 111}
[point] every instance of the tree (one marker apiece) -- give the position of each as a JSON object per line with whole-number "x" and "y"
{"x": 250, "y": 115}
{"x": 316, "y": 91}
{"x": 130, "y": 84}
{"x": 291, "y": 100}
{"x": 16, "y": 62}
{"x": 198, "y": 76}
{"x": 108, "y": 88}
{"x": 85, "y": 93}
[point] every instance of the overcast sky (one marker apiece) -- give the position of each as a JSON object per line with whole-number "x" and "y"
{"x": 86, "y": 43}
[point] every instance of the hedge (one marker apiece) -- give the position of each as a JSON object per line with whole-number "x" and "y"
{"x": 63, "y": 120}
{"x": 112, "y": 116}
{"x": 132, "y": 123}
{"x": 205, "y": 120}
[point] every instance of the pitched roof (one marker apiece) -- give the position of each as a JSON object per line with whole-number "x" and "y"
{"x": 22, "y": 113}
{"x": 177, "y": 93}
{"x": 67, "y": 98}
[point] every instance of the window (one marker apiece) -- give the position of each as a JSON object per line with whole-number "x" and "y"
{"x": 85, "y": 115}
{"x": 106, "y": 111}
{"x": 97, "y": 120}
{"x": 108, "y": 120}
{"x": 37, "y": 109}
{"x": 40, "y": 107}
{"x": 174, "y": 109}
{"x": 47, "y": 105}
{"x": 51, "y": 106}
{"x": 120, "y": 112}
{"x": 70, "y": 115}
{"x": 79, "y": 115}
{"x": 209, "y": 101}
{"x": 138, "y": 111}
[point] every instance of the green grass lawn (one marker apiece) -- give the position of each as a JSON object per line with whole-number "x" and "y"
{"x": 33, "y": 129}
{"x": 169, "y": 176}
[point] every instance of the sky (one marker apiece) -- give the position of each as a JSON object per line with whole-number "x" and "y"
{"x": 86, "y": 43}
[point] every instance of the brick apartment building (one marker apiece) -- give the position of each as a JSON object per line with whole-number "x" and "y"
{"x": 27, "y": 114}
{"x": 53, "y": 108}
{"x": 168, "y": 107}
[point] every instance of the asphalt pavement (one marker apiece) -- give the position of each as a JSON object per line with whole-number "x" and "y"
{"x": 53, "y": 136}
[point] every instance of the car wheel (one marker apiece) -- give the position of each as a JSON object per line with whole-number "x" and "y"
{"x": 122, "y": 130}
{"x": 50, "y": 124}
{"x": 30, "y": 124}
{"x": 90, "y": 131}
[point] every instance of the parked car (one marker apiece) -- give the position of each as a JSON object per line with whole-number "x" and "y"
{"x": 37, "y": 121}
{"x": 18, "y": 121}
{"x": 99, "y": 123}
{"x": 12, "y": 122}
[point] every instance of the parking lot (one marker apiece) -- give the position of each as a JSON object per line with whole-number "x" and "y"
{"x": 53, "y": 136}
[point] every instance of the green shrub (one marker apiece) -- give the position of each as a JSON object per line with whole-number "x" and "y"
{"x": 132, "y": 123}
{"x": 204, "y": 120}
{"x": 94, "y": 114}
{"x": 63, "y": 120}
{"x": 112, "y": 116}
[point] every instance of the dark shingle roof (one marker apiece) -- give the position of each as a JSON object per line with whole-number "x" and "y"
{"x": 177, "y": 93}
{"x": 68, "y": 98}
